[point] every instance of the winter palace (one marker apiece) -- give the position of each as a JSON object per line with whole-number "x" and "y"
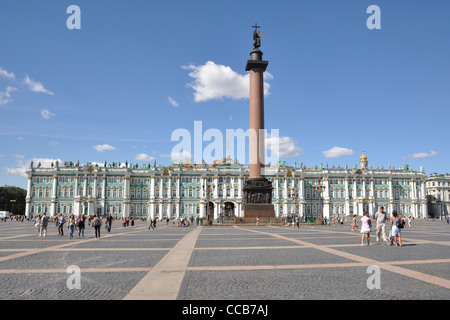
{"x": 126, "y": 190}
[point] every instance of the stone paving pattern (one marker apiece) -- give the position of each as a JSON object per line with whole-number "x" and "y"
{"x": 227, "y": 263}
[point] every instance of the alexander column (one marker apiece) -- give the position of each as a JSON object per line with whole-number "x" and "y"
{"x": 257, "y": 189}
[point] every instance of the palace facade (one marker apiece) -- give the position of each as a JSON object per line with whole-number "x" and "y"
{"x": 125, "y": 190}
{"x": 438, "y": 192}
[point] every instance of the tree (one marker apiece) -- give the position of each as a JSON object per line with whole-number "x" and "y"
{"x": 17, "y": 195}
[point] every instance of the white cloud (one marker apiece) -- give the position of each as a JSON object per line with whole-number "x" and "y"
{"x": 36, "y": 86}
{"x": 173, "y": 102}
{"x": 231, "y": 118}
{"x": 283, "y": 147}
{"x": 215, "y": 82}
{"x": 103, "y": 147}
{"x": 144, "y": 157}
{"x": 53, "y": 143}
{"x": 19, "y": 156}
{"x": 19, "y": 138}
{"x": 5, "y": 96}
{"x": 6, "y": 74}
{"x": 1, "y": 155}
{"x": 24, "y": 165}
{"x": 336, "y": 152}
{"x": 47, "y": 114}
{"x": 423, "y": 155}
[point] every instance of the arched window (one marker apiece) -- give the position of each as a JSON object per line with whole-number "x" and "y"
{"x": 138, "y": 193}
{"x": 145, "y": 193}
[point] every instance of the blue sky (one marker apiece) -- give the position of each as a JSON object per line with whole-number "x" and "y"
{"x": 102, "y": 92}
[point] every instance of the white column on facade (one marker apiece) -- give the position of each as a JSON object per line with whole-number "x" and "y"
{"x": 372, "y": 188}
{"x": 152, "y": 187}
{"x": 28, "y": 197}
{"x": 302, "y": 189}
{"x": 152, "y": 209}
{"x": 161, "y": 191}
{"x": 346, "y": 189}
{"x": 239, "y": 210}
{"x": 177, "y": 210}
{"x": 104, "y": 191}
{"x": 277, "y": 209}
{"x": 202, "y": 189}
{"x": 216, "y": 187}
{"x": 285, "y": 187}
{"x": 216, "y": 210}
{"x": 53, "y": 201}
{"x": 91, "y": 208}
{"x": 361, "y": 207}
{"x": 347, "y": 197}
{"x": 169, "y": 192}
{"x": 85, "y": 185}
{"x": 302, "y": 209}
{"x": 326, "y": 198}
{"x": 391, "y": 190}
{"x": 169, "y": 210}
{"x": 127, "y": 200}
{"x": 202, "y": 209}
{"x": 241, "y": 187}
{"x": 423, "y": 197}
{"x": 94, "y": 191}
{"x": 363, "y": 191}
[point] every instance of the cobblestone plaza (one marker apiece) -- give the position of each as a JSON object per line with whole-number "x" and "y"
{"x": 224, "y": 263}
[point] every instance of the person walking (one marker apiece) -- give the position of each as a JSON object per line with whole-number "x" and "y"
{"x": 297, "y": 222}
{"x": 97, "y": 223}
{"x": 381, "y": 217}
{"x": 81, "y": 226}
{"x": 397, "y": 224}
{"x": 154, "y": 223}
{"x": 365, "y": 228}
{"x": 354, "y": 223}
{"x": 150, "y": 225}
{"x": 409, "y": 222}
{"x": 71, "y": 225}
{"x": 44, "y": 224}
{"x": 61, "y": 221}
{"x": 37, "y": 223}
{"x": 109, "y": 221}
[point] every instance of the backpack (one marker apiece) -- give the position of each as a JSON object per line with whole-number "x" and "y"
{"x": 400, "y": 224}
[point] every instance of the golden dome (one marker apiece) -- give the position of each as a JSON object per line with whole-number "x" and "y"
{"x": 363, "y": 157}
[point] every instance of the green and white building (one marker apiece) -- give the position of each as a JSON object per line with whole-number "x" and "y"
{"x": 126, "y": 190}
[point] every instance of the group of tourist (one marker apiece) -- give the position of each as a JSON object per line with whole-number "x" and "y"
{"x": 380, "y": 217}
{"x": 74, "y": 223}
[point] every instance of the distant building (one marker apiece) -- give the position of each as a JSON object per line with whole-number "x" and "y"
{"x": 126, "y": 190}
{"x": 438, "y": 194}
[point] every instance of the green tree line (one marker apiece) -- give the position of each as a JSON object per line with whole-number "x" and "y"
{"x": 12, "y": 199}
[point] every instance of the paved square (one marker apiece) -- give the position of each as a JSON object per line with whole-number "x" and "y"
{"x": 224, "y": 263}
